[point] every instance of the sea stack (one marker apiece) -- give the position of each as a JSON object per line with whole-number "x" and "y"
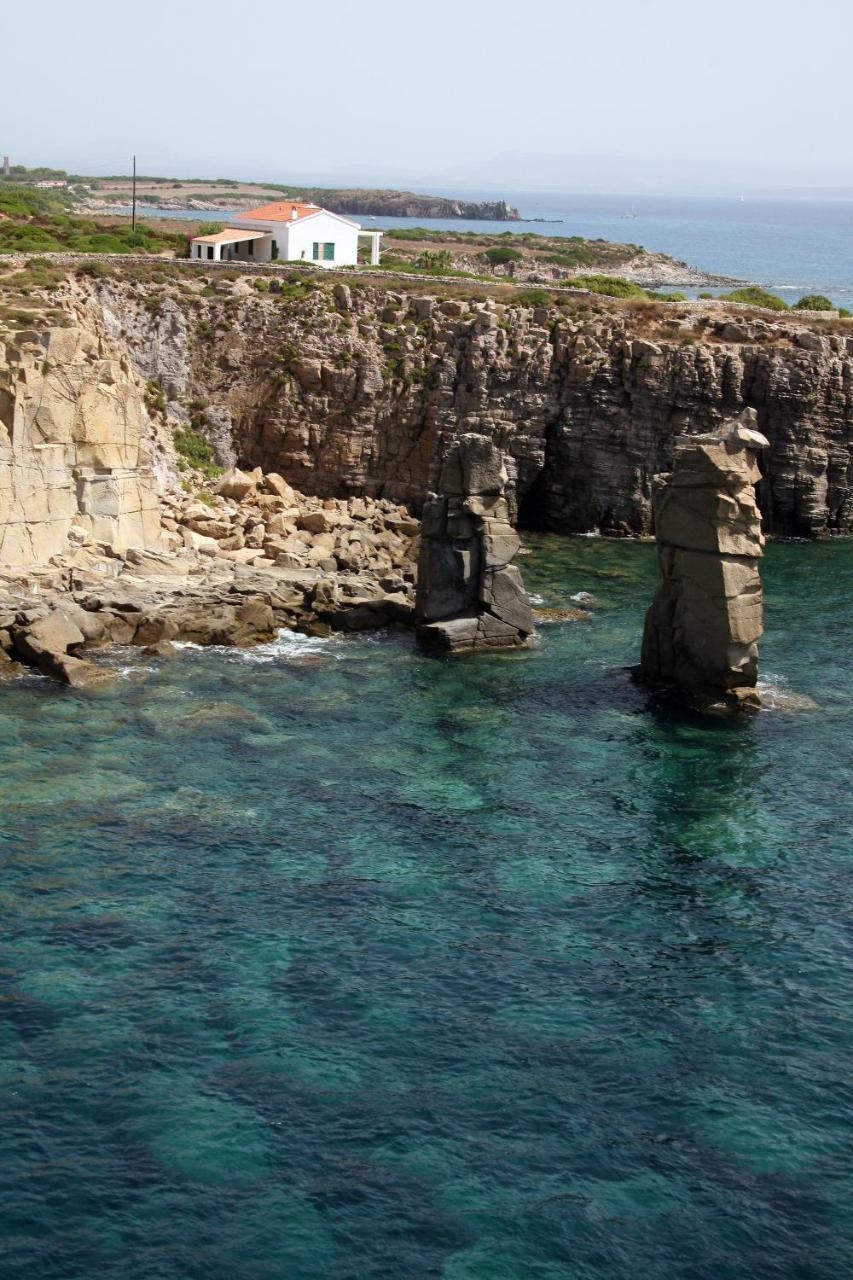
{"x": 702, "y": 630}
{"x": 470, "y": 596}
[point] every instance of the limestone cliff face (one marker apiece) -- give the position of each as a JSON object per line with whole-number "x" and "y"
{"x": 75, "y": 448}
{"x": 354, "y": 389}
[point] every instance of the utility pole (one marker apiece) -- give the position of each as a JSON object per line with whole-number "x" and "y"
{"x": 133, "y": 218}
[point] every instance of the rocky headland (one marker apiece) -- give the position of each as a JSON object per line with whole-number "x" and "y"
{"x": 330, "y": 403}
{"x": 357, "y": 201}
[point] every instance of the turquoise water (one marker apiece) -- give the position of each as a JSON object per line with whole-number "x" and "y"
{"x": 336, "y": 961}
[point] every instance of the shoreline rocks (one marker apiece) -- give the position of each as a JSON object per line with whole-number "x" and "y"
{"x": 235, "y": 566}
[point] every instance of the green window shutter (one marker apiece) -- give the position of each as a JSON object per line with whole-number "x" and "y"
{"x": 316, "y": 254}
{"x": 328, "y": 252}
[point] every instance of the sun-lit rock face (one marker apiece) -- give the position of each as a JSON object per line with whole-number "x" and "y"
{"x": 74, "y": 448}
{"x": 702, "y": 630}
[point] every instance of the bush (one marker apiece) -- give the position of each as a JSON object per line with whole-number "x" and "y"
{"x": 532, "y": 297}
{"x": 97, "y": 270}
{"x": 844, "y": 313}
{"x": 814, "y": 302}
{"x": 756, "y": 297}
{"x": 501, "y": 254}
{"x": 610, "y": 286}
{"x": 196, "y": 451}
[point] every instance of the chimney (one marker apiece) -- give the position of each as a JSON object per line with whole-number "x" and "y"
{"x": 7, "y": 166}
{"x": 293, "y": 214}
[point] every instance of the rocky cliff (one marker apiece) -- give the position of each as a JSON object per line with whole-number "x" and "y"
{"x": 76, "y": 447}
{"x": 350, "y": 388}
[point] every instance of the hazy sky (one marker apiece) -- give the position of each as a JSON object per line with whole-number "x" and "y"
{"x": 569, "y": 95}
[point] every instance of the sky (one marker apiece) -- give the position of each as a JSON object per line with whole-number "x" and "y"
{"x": 558, "y": 95}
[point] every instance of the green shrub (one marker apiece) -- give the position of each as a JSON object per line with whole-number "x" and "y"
{"x": 756, "y": 297}
{"x": 532, "y": 297}
{"x": 844, "y": 313}
{"x": 814, "y": 302}
{"x": 501, "y": 254}
{"x": 665, "y": 297}
{"x": 196, "y": 452}
{"x": 610, "y": 286}
{"x": 97, "y": 270}
{"x": 39, "y": 221}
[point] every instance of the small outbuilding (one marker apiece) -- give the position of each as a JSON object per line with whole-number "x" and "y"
{"x": 290, "y": 231}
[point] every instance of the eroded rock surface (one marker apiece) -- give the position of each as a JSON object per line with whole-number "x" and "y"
{"x": 353, "y": 390}
{"x": 470, "y": 595}
{"x": 702, "y": 630}
{"x": 75, "y": 447}
{"x": 232, "y": 571}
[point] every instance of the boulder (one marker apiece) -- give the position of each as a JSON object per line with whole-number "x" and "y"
{"x": 236, "y": 484}
{"x": 314, "y": 521}
{"x": 75, "y": 672}
{"x": 54, "y": 634}
{"x": 277, "y": 485}
{"x": 198, "y": 542}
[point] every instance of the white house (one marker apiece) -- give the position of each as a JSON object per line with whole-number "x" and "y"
{"x": 289, "y": 230}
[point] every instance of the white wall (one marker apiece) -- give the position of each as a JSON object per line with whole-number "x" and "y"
{"x": 296, "y": 239}
{"x": 324, "y": 229}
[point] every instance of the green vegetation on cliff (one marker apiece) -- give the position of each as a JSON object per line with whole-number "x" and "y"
{"x": 33, "y": 221}
{"x": 814, "y": 302}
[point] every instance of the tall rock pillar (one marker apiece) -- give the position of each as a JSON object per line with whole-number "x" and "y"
{"x": 470, "y": 596}
{"x": 702, "y": 630}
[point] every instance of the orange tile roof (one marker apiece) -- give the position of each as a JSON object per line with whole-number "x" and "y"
{"x": 281, "y": 211}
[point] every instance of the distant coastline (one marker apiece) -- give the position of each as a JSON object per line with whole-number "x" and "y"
{"x": 395, "y": 204}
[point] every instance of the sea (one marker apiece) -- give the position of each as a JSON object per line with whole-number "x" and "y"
{"x": 333, "y": 961}
{"x": 790, "y": 246}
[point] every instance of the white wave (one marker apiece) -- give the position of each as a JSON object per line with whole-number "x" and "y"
{"x": 534, "y": 599}
{"x": 287, "y": 644}
{"x": 291, "y": 644}
{"x": 777, "y": 695}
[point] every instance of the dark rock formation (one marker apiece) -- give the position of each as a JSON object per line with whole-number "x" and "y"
{"x": 703, "y": 626}
{"x": 470, "y": 596}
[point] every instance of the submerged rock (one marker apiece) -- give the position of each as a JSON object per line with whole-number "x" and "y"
{"x": 702, "y": 630}
{"x": 470, "y": 595}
